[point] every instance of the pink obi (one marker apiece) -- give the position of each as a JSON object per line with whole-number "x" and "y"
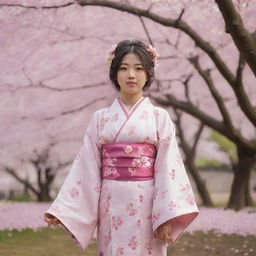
{"x": 128, "y": 161}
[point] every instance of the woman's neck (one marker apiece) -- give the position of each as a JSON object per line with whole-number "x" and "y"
{"x": 130, "y": 99}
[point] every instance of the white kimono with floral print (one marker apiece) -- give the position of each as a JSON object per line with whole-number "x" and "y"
{"x": 126, "y": 213}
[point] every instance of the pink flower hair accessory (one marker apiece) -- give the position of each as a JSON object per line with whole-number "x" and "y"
{"x": 110, "y": 54}
{"x": 153, "y": 53}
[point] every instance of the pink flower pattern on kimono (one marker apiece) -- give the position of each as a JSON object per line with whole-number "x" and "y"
{"x": 163, "y": 194}
{"x": 142, "y": 162}
{"x": 119, "y": 251}
{"x": 190, "y": 199}
{"x": 185, "y": 187}
{"x": 56, "y": 209}
{"x": 138, "y": 223}
{"x": 172, "y": 173}
{"x": 149, "y": 248}
{"x": 187, "y": 193}
{"x": 114, "y": 118}
{"x": 116, "y": 222}
{"x": 103, "y": 122}
{"x": 97, "y": 189}
{"x": 105, "y": 208}
{"x": 179, "y": 159}
{"x": 155, "y": 193}
{"x": 130, "y": 208}
{"x": 101, "y": 253}
{"x": 107, "y": 239}
{"x": 74, "y": 192}
{"x": 167, "y": 140}
{"x": 133, "y": 243}
{"x": 131, "y": 130}
{"x": 155, "y": 217}
{"x": 173, "y": 205}
{"x": 111, "y": 171}
{"x": 144, "y": 115}
{"x": 141, "y": 198}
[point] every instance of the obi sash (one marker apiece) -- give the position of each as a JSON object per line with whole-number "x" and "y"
{"x": 128, "y": 161}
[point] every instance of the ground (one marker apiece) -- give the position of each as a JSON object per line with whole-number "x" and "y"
{"x": 55, "y": 242}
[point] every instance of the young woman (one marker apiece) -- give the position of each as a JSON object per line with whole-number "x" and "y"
{"x": 128, "y": 179}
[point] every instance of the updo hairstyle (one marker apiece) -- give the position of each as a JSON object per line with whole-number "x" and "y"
{"x": 140, "y": 49}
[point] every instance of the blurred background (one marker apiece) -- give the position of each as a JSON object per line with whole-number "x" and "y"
{"x": 54, "y": 76}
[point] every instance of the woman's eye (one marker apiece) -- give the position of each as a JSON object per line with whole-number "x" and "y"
{"x": 139, "y": 68}
{"x": 122, "y": 68}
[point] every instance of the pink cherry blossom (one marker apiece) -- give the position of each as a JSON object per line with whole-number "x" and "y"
{"x": 24, "y": 215}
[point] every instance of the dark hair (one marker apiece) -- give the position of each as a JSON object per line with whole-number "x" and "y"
{"x": 140, "y": 49}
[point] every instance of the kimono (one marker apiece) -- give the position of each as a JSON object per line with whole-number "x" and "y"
{"x": 125, "y": 214}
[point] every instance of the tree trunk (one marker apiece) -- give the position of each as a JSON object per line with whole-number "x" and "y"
{"x": 248, "y": 198}
{"x": 44, "y": 193}
{"x": 240, "y": 192}
{"x": 200, "y": 183}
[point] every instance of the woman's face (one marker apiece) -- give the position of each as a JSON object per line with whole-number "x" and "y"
{"x": 131, "y": 75}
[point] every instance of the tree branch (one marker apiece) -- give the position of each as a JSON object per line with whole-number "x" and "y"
{"x": 76, "y": 109}
{"x": 197, "y": 136}
{"x": 37, "y": 7}
{"x": 206, "y": 75}
{"x": 242, "y": 98}
{"x": 185, "y": 146}
{"x": 189, "y": 150}
{"x": 239, "y": 70}
{"x": 241, "y": 37}
{"x": 22, "y": 181}
{"x": 193, "y": 110}
{"x": 41, "y": 85}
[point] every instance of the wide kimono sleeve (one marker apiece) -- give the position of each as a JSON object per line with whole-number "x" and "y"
{"x": 173, "y": 195}
{"x": 76, "y": 204}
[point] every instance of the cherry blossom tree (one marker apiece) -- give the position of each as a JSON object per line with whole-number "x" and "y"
{"x": 247, "y": 54}
{"x": 201, "y": 72}
{"x": 45, "y": 170}
{"x": 190, "y": 154}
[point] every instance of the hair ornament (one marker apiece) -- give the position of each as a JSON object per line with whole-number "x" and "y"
{"x": 110, "y": 54}
{"x": 153, "y": 53}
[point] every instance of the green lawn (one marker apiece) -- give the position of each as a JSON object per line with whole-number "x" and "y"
{"x": 55, "y": 242}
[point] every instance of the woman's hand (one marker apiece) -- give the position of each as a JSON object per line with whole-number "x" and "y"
{"x": 51, "y": 220}
{"x": 163, "y": 232}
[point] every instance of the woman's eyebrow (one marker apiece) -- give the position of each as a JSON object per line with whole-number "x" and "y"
{"x": 136, "y": 64}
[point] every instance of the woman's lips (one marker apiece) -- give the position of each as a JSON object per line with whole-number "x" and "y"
{"x": 131, "y": 83}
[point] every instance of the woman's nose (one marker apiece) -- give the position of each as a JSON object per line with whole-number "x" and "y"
{"x": 131, "y": 73}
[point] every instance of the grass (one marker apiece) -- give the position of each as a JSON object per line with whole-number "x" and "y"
{"x": 55, "y": 242}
